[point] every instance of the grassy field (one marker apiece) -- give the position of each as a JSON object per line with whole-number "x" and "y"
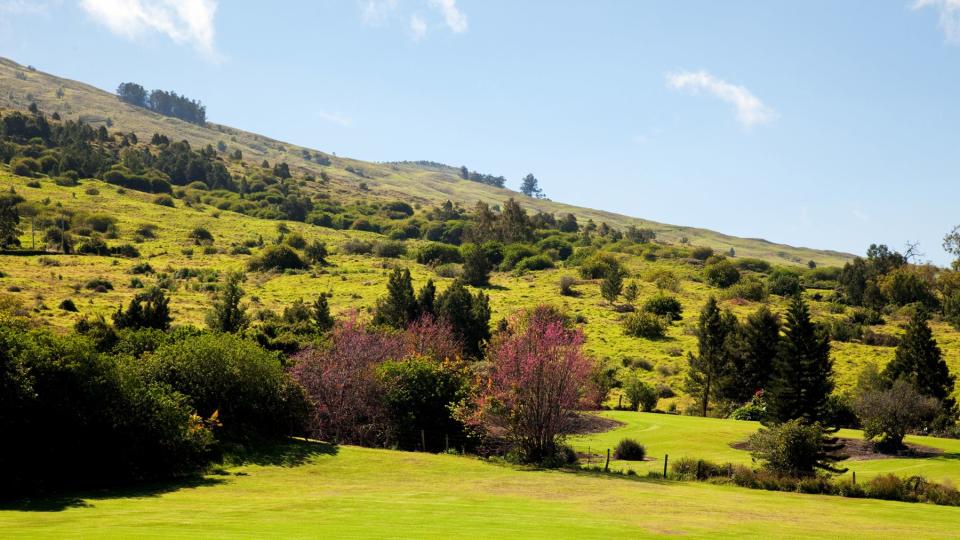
{"x": 710, "y": 439}
{"x": 364, "y": 493}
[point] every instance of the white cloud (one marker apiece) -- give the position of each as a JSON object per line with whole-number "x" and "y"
{"x": 187, "y": 22}
{"x": 336, "y": 118}
{"x": 23, "y": 7}
{"x": 418, "y": 27}
{"x": 456, "y": 20}
{"x": 949, "y": 16}
{"x": 376, "y": 12}
{"x": 750, "y": 110}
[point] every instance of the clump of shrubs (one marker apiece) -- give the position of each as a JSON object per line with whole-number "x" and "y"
{"x": 68, "y": 305}
{"x": 99, "y": 284}
{"x": 164, "y": 200}
{"x": 389, "y": 249}
{"x": 566, "y": 286}
{"x": 664, "y": 306}
{"x": 644, "y": 325}
{"x": 356, "y": 247}
{"x": 276, "y": 257}
{"x": 629, "y": 450}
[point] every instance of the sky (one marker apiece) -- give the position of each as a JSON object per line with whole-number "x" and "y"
{"x": 817, "y": 123}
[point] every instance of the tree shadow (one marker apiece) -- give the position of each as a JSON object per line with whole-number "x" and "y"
{"x": 84, "y": 498}
{"x": 290, "y": 453}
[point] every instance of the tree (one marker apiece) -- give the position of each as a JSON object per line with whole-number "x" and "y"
{"x": 722, "y": 274}
{"x": 10, "y": 219}
{"x": 796, "y": 448}
{"x": 469, "y": 315}
{"x": 631, "y": 292}
{"x": 538, "y": 375}
{"x": 711, "y": 365}
{"x": 888, "y": 413}
{"x": 427, "y": 299}
{"x": 568, "y": 224}
{"x": 753, "y": 349}
{"x": 530, "y": 188}
{"x": 132, "y": 93}
{"x": 640, "y": 394}
{"x": 803, "y": 371}
{"x": 150, "y": 309}
{"x": 227, "y": 314}
{"x": 320, "y": 313}
{"x": 919, "y": 360}
{"x": 316, "y": 253}
{"x": 476, "y": 267}
{"x": 399, "y": 307}
{"x": 612, "y": 285}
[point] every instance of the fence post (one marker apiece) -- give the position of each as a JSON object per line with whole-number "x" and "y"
{"x": 606, "y": 466}
{"x": 854, "y": 477}
{"x": 446, "y": 442}
{"x": 666, "y": 458}
{"x": 423, "y": 441}
{"x": 589, "y": 456}
{"x": 620, "y": 402}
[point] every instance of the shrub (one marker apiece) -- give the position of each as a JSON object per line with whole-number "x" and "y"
{"x": 449, "y": 270}
{"x": 296, "y": 241}
{"x": 784, "y": 283}
{"x": 696, "y": 469}
{"x": 513, "y": 254}
{"x": 533, "y": 264}
{"x": 722, "y": 274}
{"x": 68, "y": 305}
{"x": 702, "y": 253}
{"x": 436, "y": 254}
{"x": 24, "y": 166}
{"x": 276, "y": 257}
{"x": 558, "y": 245}
{"x": 164, "y": 200}
{"x": 316, "y": 252}
{"x": 664, "y": 306}
{"x": 99, "y": 284}
{"x": 389, "y": 249}
{"x": 644, "y": 325}
{"x": 640, "y": 394}
{"x": 142, "y": 267}
{"x": 244, "y": 384}
{"x": 600, "y": 265}
{"x": 200, "y": 236}
{"x": 356, "y": 247}
{"x": 566, "y": 285}
{"x": 794, "y": 448}
{"x": 629, "y": 450}
{"x": 750, "y": 289}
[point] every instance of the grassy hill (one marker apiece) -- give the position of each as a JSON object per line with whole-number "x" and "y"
{"x": 356, "y": 492}
{"x": 425, "y": 184}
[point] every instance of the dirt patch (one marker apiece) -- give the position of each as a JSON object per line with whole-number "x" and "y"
{"x": 587, "y": 423}
{"x": 861, "y": 450}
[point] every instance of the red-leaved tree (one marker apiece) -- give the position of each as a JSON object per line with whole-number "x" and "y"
{"x": 340, "y": 382}
{"x": 432, "y": 337}
{"x": 538, "y": 379}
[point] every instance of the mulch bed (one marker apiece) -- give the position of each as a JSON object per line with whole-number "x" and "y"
{"x": 587, "y": 423}
{"x": 861, "y": 450}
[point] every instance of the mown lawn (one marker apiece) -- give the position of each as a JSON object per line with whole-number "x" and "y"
{"x": 364, "y": 493}
{"x": 710, "y": 439}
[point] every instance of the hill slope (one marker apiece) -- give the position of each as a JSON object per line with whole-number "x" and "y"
{"x": 407, "y": 181}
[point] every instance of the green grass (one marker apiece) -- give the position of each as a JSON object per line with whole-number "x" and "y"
{"x": 364, "y": 493}
{"x": 710, "y": 439}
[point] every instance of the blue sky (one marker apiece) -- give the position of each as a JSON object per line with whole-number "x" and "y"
{"x": 818, "y": 123}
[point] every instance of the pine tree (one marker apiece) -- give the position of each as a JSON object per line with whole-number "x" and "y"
{"x": 753, "y": 348}
{"x": 711, "y": 365}
{"x": 803, "y": 370}
{"x": 322, "y": 320}
{"x": 227, "y": 315}
{"x": 469, "y": 316}
{"x": 919, "y": 360}
{"x": 427, "y": 299}
{"x": 399, "y": 308}
{"x": 631, "y": 292}
{"x": 150, "y": 309}
{"x": 612, "y": 285}
{"x": 476, "y": 267}
{"x": 529, "y": 187}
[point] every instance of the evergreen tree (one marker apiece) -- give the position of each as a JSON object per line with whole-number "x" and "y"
{"x": 918, "y": 359}
{"x": 10, "y": 219}
{"x": 320, "y": 313}
{"x": 399, "y": 307}
{"x": 753, "y": 348}
{"x": 631, "y": 292}
{"x": 803, "y": 370}
{"x": 316, "y": 253}
{"x": 612, "y": 285}
{"x": 427, "y": 299}
{"x": 476, "y": 267}
{"x": 709, "y": 368}
{"x": 468, "y": 315}
{"x": 529, "y": 187}
{"x": 150, "y": 309}
{"x": 227, "y": 315}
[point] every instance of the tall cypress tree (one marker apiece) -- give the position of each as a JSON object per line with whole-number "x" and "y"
{"x": 711, "y": 364}
{"x": 399, "y": 308}
{"x": 753, "y": 348}
{"x": 803, "y": 370}
{"x": 919, "y": 360}
{"x": 427, "y": 299}
{"x": 227, "y": 314}
{"x": 320, "y": 313}
{"x": 469, "y": 315}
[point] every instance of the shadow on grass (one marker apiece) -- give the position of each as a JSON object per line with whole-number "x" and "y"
{"x": 85, "y": 498}
{"x": 289, "y": 453}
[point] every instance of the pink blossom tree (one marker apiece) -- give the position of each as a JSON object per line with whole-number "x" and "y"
{"x": 341, "y": 383}
{"x": 538, "y": 379}
{"x": 432, "y": 337}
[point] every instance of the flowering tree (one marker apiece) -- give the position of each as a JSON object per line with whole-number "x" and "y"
{"x": 340, "y": 382}
{"x": 433, "y": 338}
{"x": 538, "y": 377}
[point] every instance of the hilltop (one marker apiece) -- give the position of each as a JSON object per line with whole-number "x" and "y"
{"x": 415, "y": 182}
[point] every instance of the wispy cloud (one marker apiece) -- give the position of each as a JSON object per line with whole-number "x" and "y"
{"x": 24, "y": 7}
{"x": 418, "y": 27}
{"x": 949, "y": 16}
{"x": 749, "y": 109}
{"x": 456, "y": 20}
{"x": 376, "y": 12}
{"x": 188, "y": 22}
{"x": 335, "y": 118}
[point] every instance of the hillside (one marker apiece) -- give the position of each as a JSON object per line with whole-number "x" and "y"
{"x": 411, "y": 182}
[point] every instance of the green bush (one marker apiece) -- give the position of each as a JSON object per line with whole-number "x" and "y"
{"x": 629, "y": 450}
{"x": 794, "y": 448}
{"x": 644, "y": 325}
{"x": 664, "y": 306}
{"x": 436, "y": 254}
{"x": 356, "y": 247}
{"x": 389, "y": 249}
{"x": 722, "y": 274}
{"x": 24, "y": 166}
{"x": 784, "y": 283}
{"x": 513, "y": 254}
{"x": 242, "y": 383}
{"x": 533, "y": 264}
{"x": 164, "y": 200}
{"x": 276, "y": 257}
{"x": 600, "y": 265}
